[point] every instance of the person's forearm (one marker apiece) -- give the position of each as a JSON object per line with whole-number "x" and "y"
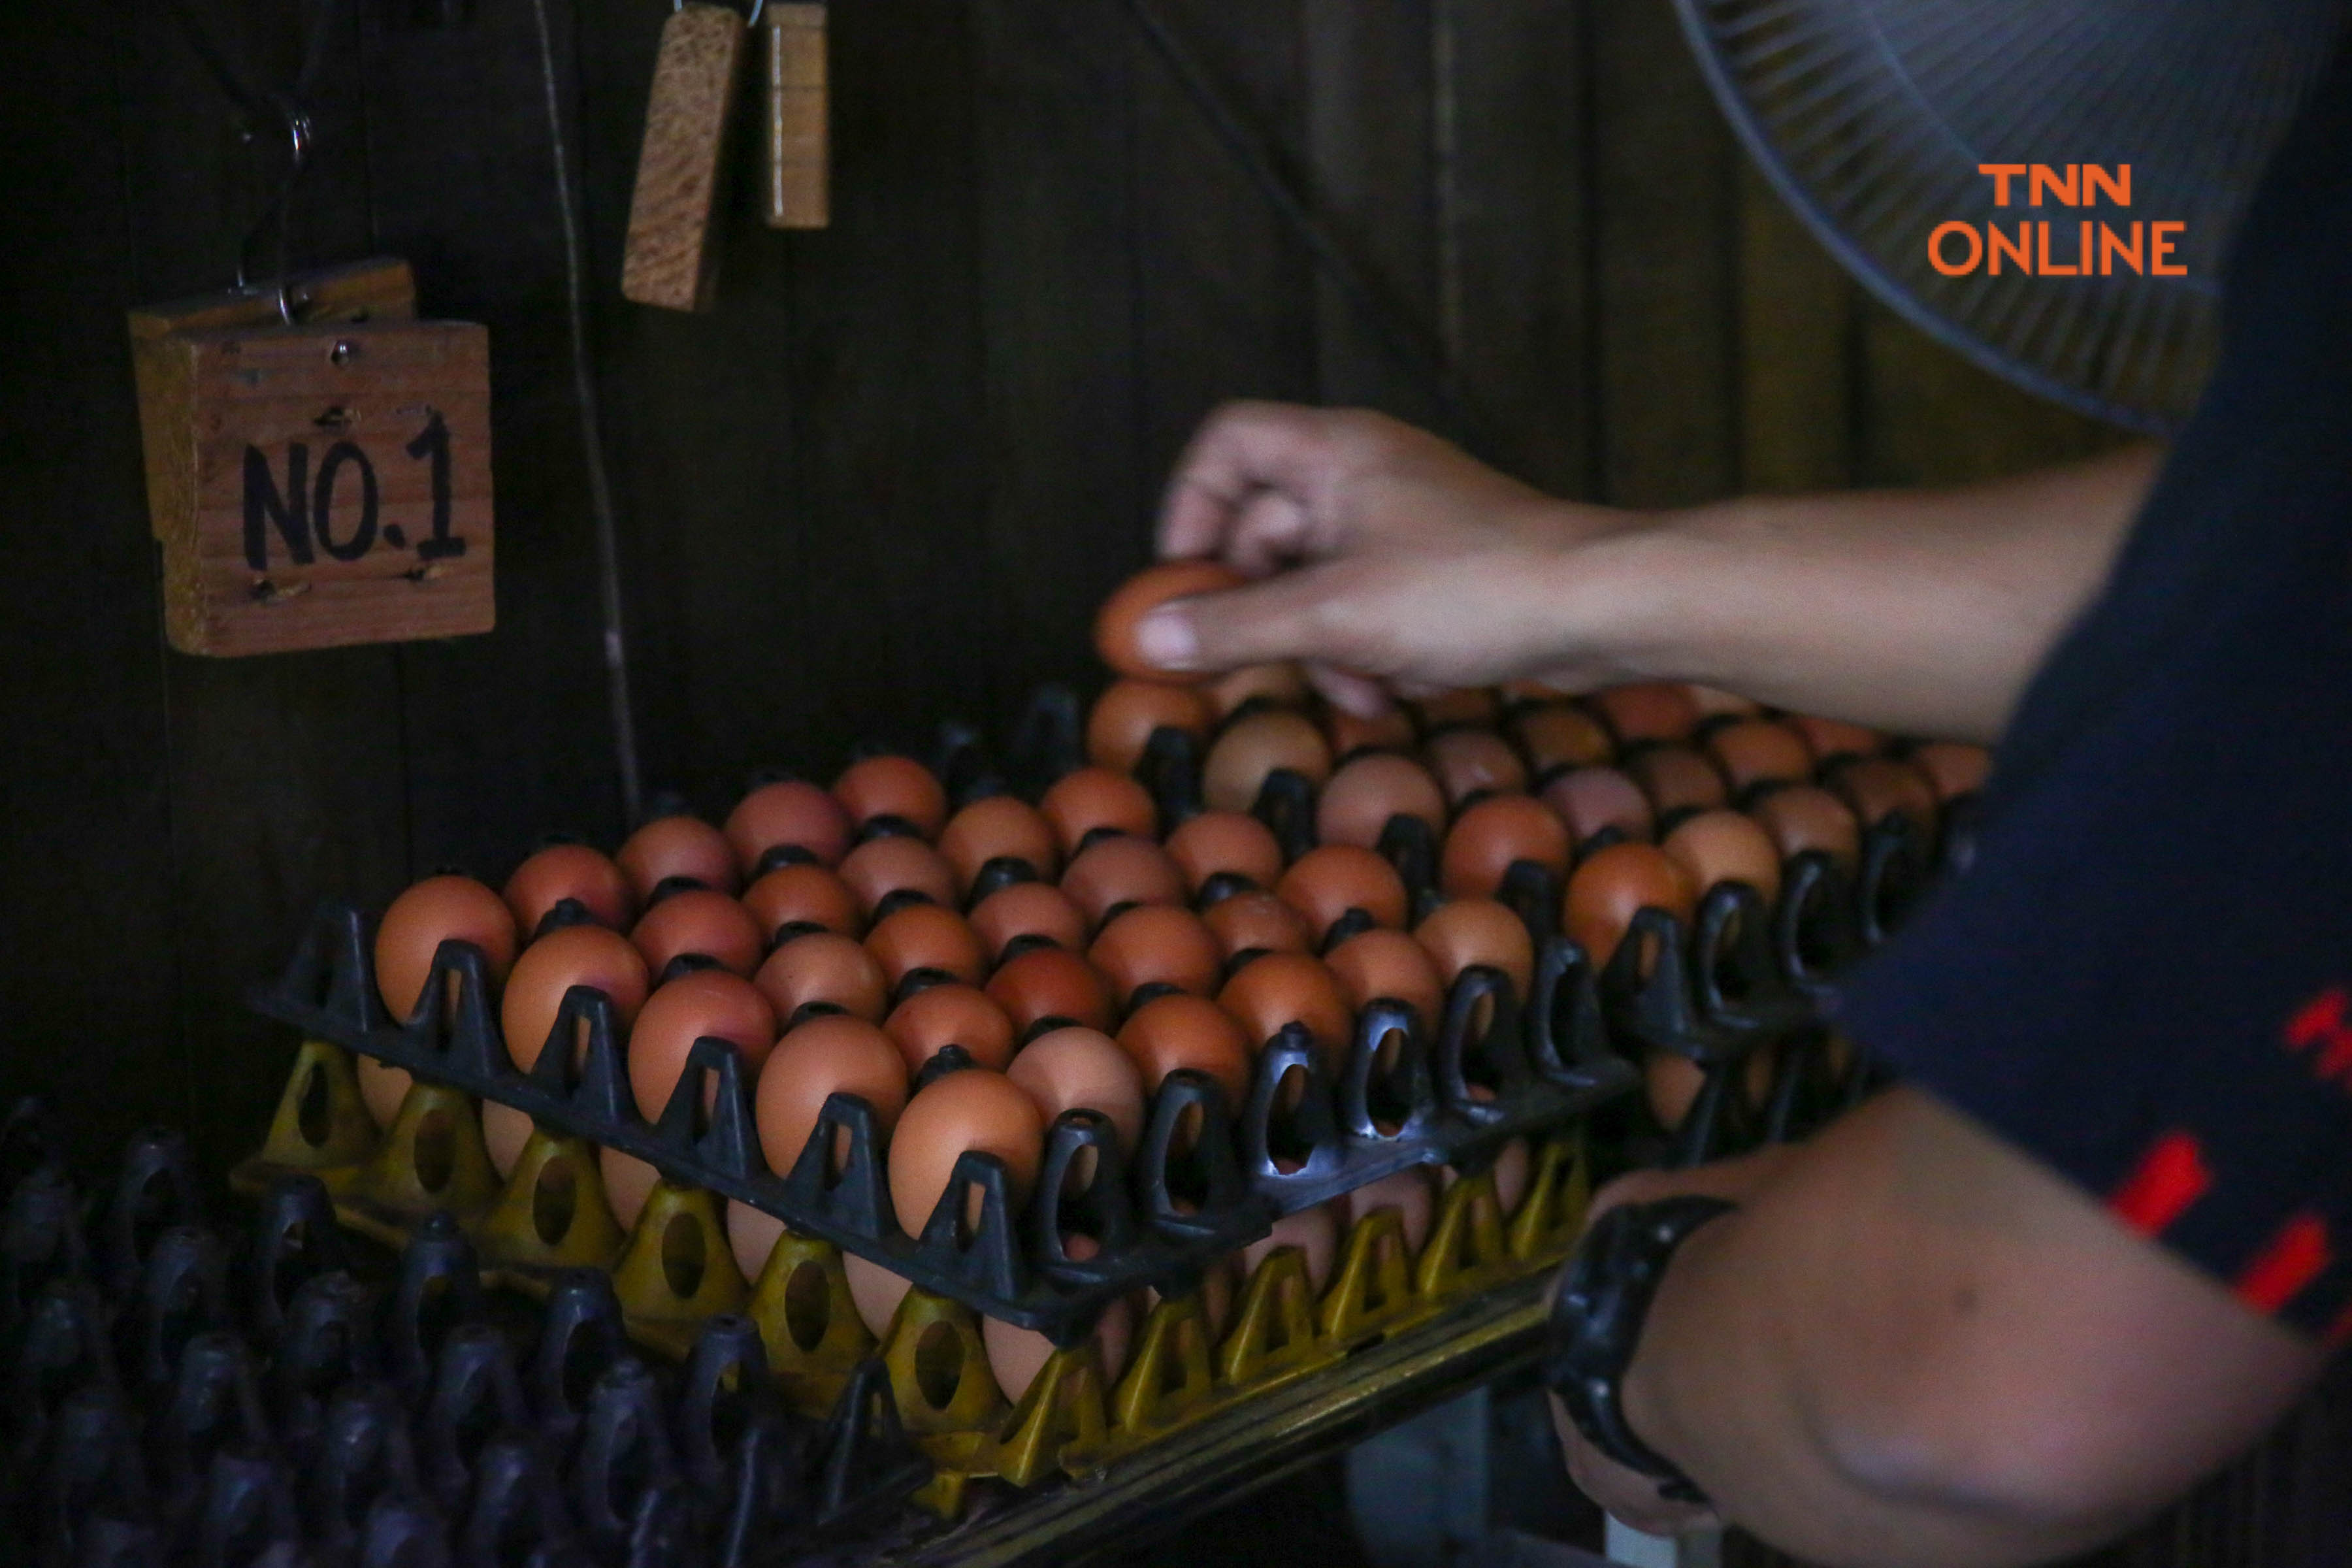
{"x": 1923, "y": 612}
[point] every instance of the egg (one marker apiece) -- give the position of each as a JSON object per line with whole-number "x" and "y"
{"x": 1113, "y": 872}
{"x": 950, "y": 1116}
{"x": 1256, "y": 745}
{"x": 1230, "y": 843}
{"x": 628, "y": 1182}
{"x": 699, "y": 921}
{"x": 829, "y": 1054}
{"x": 1469, "y": 706}
{"x": 1511, "y": 1167}
{"x": 926, "y": 937}
{"x": 702, "y": 1003}
{"x": 1878, "y": 787}
{"x": 671, "y": 848}
{"x": 1159, "y": 945}
{"x": 1086, "y": 800}
{"x": 1725, "y": 846}
{"x": 941, "y": 1015}
{"x": 875, "y": 1291}
{"x": 1077, "y": 1067}
{"x": 1465, "y": 932}
{"x": 1015, "y": 1356}
{"x": 1280, "y": 988}
{"x": 1647, "y": 711}
{"x": 1757, "y": 750}
{"x": 1325, "y": 885}
{"x": 1375, "y": 964}
{"x": 752, "y": 1236}
{"x": 1677, "y": 778}
{"x": 1833, "y": 738}
{"x": 570, "y": 872}
{"x": 1256, "y": 922}
{"x": 1355, "y": 806}
{"x": 1559, "y": 735}
{"x": 1803, "y": 817}
{"x": 790, "y": 813}
{"x": 1712, "y": 701}
{"x": 804, "y": 897}
{"x": 1494, "y": 835}
{"x": 1408, "y": 1194}
{"x": 1278, "y": 685}
{"x": 1000, "y": 827}
{"x": 430, "y": 913}
{"x": 505, "y": 1133}
{"x": 1671, "y": 1084}
{"x": 880, "y": 868}
{"x": 1470, "y": 762}
{"x": 1051, "y": 983}
{"x": 575, "y": 955}
{"x": 1314, "y": 1231}
{"x": 1953, "y": 768}
{"x": 1216, "y": 1293}
{"x": 1027, "y": 909}
{"x": 1179, "y": 1030}
{"x": 382, "y": 1088}
{"x": 1128, "y": 713}
{"x": 1613, "y": 886}
{"x": 822, "y": 969}
{"x": 1594, "y": 800}
{"x": 898, "y": 789}
{"x": 1390, "y": 729}
{"x": 1527, "y": 691}
{"x": 1115, "y": 622}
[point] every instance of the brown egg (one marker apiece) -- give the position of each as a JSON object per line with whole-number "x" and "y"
{"x": 1390, "y": 729}
{"x": 1512, "y": 1165}
{"x": 1159, "y": 944}
{"x": 628, "y": 1182}
{"x": 875, "y": 1291}
{"x": 1090, "y": 800}
{"x": 1807, "y": 817}
{"x": 1711, "y": 700}
{"x": 1028, "y": 908}
{"x": 803, "y": 896}
{"x": 1225, "y": 843}
{"x": 704, "y": 1003}
{"x": 1001, "y": 826}
{"x": 382, "y": 1088}
{"x": 575, "y": 955}
{"x": 1590, "y": 800}
{"x": 1015, "y": 1356}
{"x": 752, "y": 1236}
{"x": 1408, "y": 1192}
{"x": 1274, "y": 685}
{"x": 429, "y": 913}
{"x": 1614, "y": 885}
{"x": 893, "y": 787}
{"x": 1953, "y": 768}
{"x": 1121, "y": 871}
{"x": 1647, "y": 711}
{"x": 1478, "y": 930}
{"x": 1877, "y": 787}
{"x": 971, "y": 1109}
{"x": 1388, "y": 963}
{"x": 1475, "y": 705}
{"x": 1323, "y": 885}
{"x": 1314, "y": 1231}
{"x": 1215, "y": 1294}
{"x": 1051, "y": 983}
{"x": 671, "y": 847}
{"x": 1494, "y": 835}
{"x": 1125, "y": 717}
{"x": 1475, "y": 761}
{"x": 1356, "y": 805}
{"x": 895, "y": 863}
{"x": 1115, "y": 622}
{"x": 830, "y": 1053}
{"x": 698, "y": 921}
{"x": 1290, "y": 988}
{"x": 926, "y": 936}
{"x": 1677, "y": 778}
{"x": 572, "y": 871}
{"x": 940, "y": 1015}
{"x": 1725, "y": 846}
{"x": 1256, "y": 922}
{"x": 1256, "y": 745}
{"x": 1180, "y": 1031}
{"x": 1525, "y": 692}
{"x": 1560, "y": 735}
{"x": 1670, "y": 1083}
{"x": 505, "y": 1133}
{"x": 790, "y": 812}
{"x": 1065, "y": 1070}
{"x": 1831, "y": 737}
{"x": 823, "y": 969}
{"x": 1751, "y": 750}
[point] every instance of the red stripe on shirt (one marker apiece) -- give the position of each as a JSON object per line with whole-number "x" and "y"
{"x": 2296, "y": 1257}
{"x": 2169, "y": 1177}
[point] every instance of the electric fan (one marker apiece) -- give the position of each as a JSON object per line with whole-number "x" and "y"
{"x": 1874, "y": 117}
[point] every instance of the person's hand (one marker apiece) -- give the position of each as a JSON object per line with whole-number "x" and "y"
{"x": 1392, "y": 559}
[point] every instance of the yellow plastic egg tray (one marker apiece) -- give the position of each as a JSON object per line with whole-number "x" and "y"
{"x": 675, "y": 1269}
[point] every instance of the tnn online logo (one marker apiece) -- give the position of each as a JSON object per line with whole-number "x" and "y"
{"x": 2040, "y": 248}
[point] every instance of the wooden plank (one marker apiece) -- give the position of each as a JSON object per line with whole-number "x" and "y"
{"x": 671, "y": 256}
{"x": 796, "y": 160}
{"x": 1799, "y": 331}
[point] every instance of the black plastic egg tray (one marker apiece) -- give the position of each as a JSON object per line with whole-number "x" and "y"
{"x": 276, "y": 1393}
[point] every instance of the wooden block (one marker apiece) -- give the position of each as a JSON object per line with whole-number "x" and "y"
{"x": 796, "y": 189}
{"x": 319, "y": 486}
{"x": 671, "y": 258}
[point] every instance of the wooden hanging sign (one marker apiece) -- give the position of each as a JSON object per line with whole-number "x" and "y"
{"x": 320, "y": 484}
{"x": 796, "y": 187}
{"x": 670, "y": 257}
